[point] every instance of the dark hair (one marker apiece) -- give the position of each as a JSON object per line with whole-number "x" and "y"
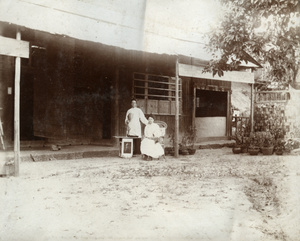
{"x": 152, "y": 116}
{"x": 133, "y": 99}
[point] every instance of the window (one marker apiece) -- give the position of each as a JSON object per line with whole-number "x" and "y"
{"x": 154, "y": 87}
{"x": 211, "y": 103}
{"x": 156, "y": 93}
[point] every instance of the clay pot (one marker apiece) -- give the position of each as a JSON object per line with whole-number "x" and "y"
{"x": 183, "y": 151}
{"x": 244, "y": 149}
{"x": 253, "y": 151}
{"x": 267, "y": 150}
{"x": 236, "y": 150}
{"x": 192, "y": 151}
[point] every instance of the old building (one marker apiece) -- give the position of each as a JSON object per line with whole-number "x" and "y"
{"x": 87, "y": 60}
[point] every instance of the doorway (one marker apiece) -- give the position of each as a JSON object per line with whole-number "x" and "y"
{"x": 211, "y": 113}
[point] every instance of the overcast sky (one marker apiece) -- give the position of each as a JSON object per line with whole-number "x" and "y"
{"x": 161, "y": 26}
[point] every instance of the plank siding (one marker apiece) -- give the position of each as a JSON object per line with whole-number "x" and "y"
{"x": 71, "y": 80}
{"x": 7, "y": 99}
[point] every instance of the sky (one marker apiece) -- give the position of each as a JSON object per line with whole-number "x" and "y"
{"x": 160, "y": 26}
{"x": 185, "y": 21}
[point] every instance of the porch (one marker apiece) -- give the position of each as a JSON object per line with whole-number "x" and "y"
{"x": 36, "y": 152}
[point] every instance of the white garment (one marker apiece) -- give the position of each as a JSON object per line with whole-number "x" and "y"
{"x": 148, "y": 146}
{"x": 134, "y": 117}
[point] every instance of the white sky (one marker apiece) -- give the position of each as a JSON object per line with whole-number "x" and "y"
{"x": 161, "y": 26}
{"x": 184, "y": 16}
{"x": 185, "y": 21}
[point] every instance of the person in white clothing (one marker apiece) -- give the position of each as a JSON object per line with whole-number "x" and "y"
{"x": 150, "y": 146}
{"x": 134, "y": 117}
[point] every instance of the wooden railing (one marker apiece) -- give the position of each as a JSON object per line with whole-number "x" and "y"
{"x": 277, "y": 96}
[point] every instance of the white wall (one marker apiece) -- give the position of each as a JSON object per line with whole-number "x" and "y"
{"x": 241, "y": 98}
{"x": 292, "y": 113}
{"x": 210, "y": 126}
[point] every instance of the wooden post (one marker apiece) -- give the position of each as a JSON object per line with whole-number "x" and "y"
{"x": 252, "y": 108}
{"x": 17, "y": 111}
{"x": 229, "y": 116}
{"x": 18, "y": 49}
{"x": 176, "y": 111}
{"x": 194, "y": 108}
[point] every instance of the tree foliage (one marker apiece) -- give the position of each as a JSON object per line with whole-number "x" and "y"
{"x": 268, "y": 30}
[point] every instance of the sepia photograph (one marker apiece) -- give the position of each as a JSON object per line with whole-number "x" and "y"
{"x": 164, "y": 120}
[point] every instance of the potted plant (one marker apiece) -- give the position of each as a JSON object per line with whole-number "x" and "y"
{"x": 291, "y": 144}
{"x": 278, "y": 133}
{"x": 245, "y": 144}
{"x": 253, "y": 148}
{"x": 188, "y": 141}
{"x": 259, "y": 135}
{"x": 183, "y": 149}
{"x": 279, "y": 146}
{"x": 268, "y": 144}
{"x": 170, "y": 150}
{"x": 238, "y": 143}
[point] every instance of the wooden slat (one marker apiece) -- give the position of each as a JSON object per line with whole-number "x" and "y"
{"x": 161, "y": 96}
{"x": 276, "y": 96}
{"x": 153, "y": 88}
{"x": 161, "y": 76}
{"x": 14, "y": 47}
{"x": 272, "y": 91}
{"x": 271, "y": 101}
{"x": 157, "y": 82}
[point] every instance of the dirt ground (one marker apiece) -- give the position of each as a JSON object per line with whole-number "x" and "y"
{"x": 213, "y": 195}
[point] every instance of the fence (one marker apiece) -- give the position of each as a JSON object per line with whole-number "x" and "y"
{"x": 275, "y": 96}
{"x": 269, "y": 110}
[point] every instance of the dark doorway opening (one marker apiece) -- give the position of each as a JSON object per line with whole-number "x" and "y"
{"x": 211, "y": 103}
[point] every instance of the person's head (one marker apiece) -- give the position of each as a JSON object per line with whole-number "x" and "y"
{"x": 133, "y": 103}
{"x": 150, "y": 119}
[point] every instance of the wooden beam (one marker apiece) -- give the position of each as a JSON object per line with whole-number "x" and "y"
{"x": 232, "y": 76}
{"x": 17, "y": 111}
{"x": 14, "y": 47}
{"x": 194, "y": 108}
{"x": 229, "y": 115}
{"x": 176, "y": 111}
{"x": 252, "y": 108}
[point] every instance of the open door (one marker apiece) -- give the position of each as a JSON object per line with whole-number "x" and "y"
{"x": 211, "y": 113}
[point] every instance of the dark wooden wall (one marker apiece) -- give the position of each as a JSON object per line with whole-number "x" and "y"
{"x": 7, "y": 69}
{"x": 68, "y": 89}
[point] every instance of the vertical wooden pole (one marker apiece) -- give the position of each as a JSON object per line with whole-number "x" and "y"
{"x": 194, "y": 109}
{"x": 229, "y": 116}
{"x": 176, "y": 110}
{"x": 17, "y": 111}
{"x": 252, "y": 108}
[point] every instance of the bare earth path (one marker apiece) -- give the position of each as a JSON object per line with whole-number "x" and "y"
{"x": 213, "y": 195}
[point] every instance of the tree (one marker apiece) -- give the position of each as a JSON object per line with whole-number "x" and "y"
{"x": 268, "y": 30}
